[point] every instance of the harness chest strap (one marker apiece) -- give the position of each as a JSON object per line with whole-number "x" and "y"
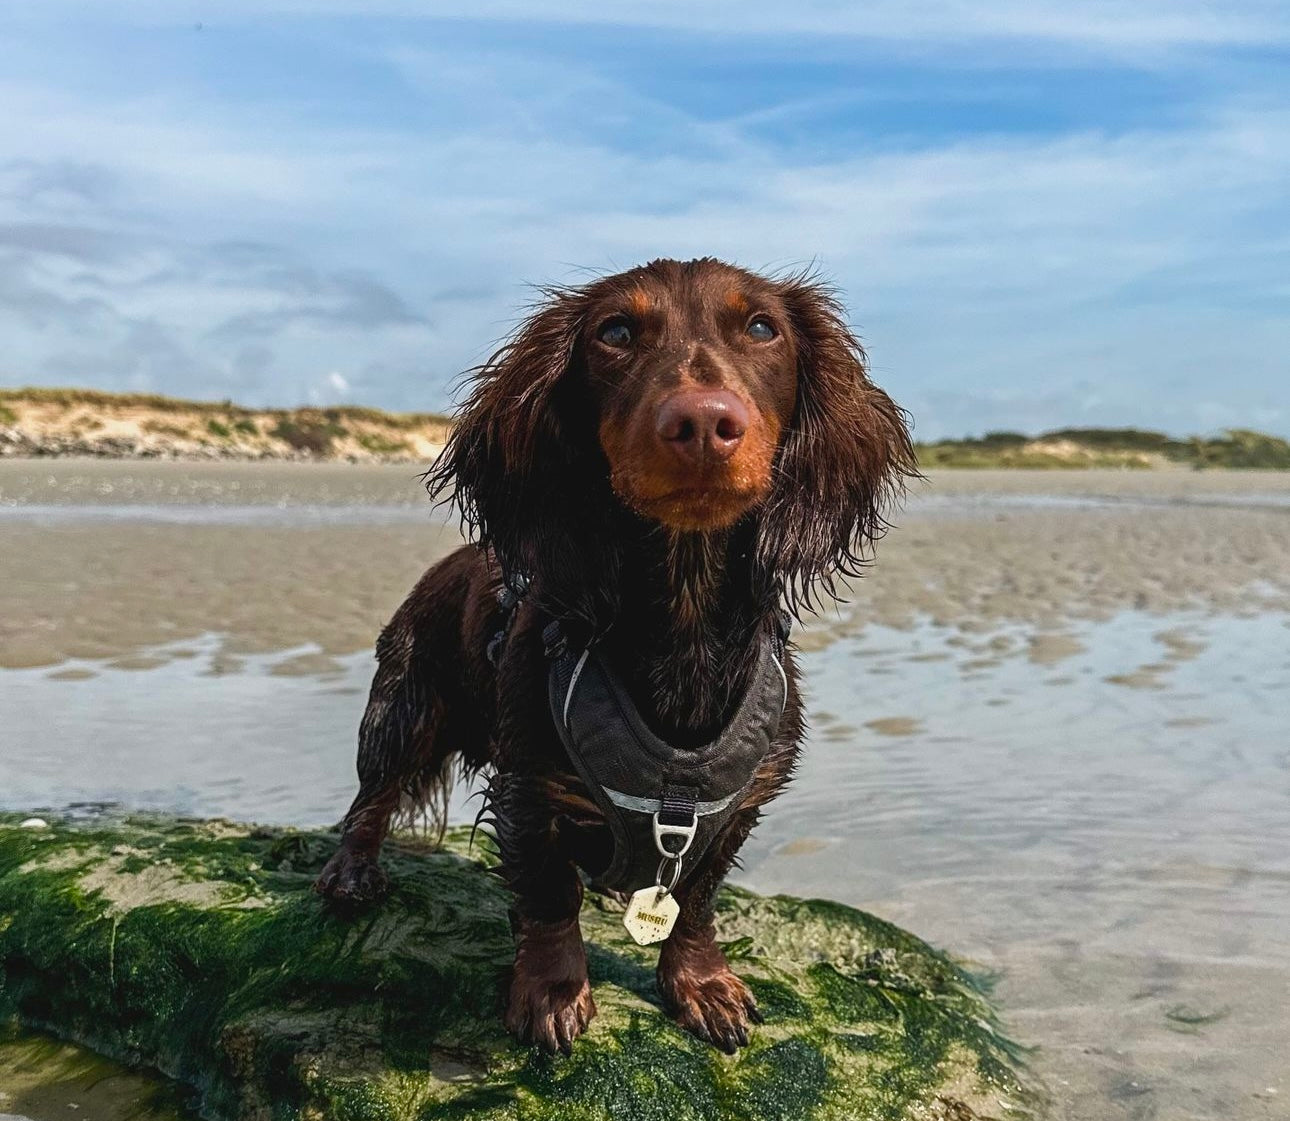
{"x": 662, "y": 803}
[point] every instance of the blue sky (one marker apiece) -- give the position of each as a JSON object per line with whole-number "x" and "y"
{"x": 1040, "y": 213}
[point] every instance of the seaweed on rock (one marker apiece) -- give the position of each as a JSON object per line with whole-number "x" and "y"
{"x": 199, "y": 949}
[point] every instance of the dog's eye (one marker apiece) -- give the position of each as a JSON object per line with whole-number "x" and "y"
{"x": 760, "y": 330}
{"x": 616, "y": 333}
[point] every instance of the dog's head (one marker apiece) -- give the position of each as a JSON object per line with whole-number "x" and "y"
{"x": 694, "y": 394}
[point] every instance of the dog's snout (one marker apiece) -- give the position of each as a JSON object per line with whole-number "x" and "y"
{"x": 701, "y": 423}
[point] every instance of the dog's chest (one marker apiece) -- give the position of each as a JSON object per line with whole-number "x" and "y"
{"x": 664, "y": 805}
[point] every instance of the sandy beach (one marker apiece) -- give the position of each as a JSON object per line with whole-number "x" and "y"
{"x": 1048, "y": 728}
{"x": 103, "y": 559}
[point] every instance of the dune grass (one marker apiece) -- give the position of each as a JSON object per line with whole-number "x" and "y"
{"x": 1110, "y": 447}
{"x": 100, "y": 399}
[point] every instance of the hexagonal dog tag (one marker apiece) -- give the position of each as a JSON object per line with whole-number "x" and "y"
{"x": 651, "y": 914}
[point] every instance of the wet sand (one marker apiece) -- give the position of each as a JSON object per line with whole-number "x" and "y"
{"x": 1049, "y": 731}
{"x": 101, "y": 559}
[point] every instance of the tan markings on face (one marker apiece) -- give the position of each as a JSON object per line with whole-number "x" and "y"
{"x": 638, "y": 301}
{"x": 613, "y": 442}
{"x": 737, "y": 301}
{"x": 646, "y": 480}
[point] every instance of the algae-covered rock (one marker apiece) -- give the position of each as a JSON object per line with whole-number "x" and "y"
{"x": 199, "y": 948}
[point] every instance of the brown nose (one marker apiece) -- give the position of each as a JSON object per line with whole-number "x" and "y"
{"x": 701, "y": 423}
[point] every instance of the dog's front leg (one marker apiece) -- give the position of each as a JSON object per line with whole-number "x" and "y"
{"x": 699, "y": 988}
{"x": 549, "y": 1002}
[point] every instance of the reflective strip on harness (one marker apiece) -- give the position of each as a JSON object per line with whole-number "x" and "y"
{"x": 573, "y": 684}
{"x": 655, "y": 805}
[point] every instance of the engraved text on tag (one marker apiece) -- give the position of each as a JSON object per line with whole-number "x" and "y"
{"x": 651, "y": 914}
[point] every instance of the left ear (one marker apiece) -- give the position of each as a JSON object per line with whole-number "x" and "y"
{"x": 844, "y": 458}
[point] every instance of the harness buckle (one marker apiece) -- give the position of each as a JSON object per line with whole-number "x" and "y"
{"x": 669, "y": 829}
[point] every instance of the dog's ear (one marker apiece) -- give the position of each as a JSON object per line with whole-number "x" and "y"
{"x": 517, "y": 463}
{"x": 844, "y": 458}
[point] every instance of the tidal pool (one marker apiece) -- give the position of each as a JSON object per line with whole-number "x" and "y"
{"x": 43, "y": 1078}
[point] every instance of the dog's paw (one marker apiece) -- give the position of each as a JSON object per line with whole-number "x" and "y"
{"x": 711, "y": 1003}
{"x": 352, "y": 878}
{"x": 550, "y": 1001}
{"x": 551, "y": 1016}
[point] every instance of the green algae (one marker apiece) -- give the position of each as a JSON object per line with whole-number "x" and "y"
{"x": 199, "y": 949}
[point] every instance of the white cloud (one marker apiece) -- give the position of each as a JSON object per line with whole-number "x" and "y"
{"x": 1025, "y": 282}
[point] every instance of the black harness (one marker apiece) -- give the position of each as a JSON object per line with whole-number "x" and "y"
{"x": 662, "y": 802}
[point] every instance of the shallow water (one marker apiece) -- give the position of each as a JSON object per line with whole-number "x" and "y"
{"x": 43, "y": 1078}
{"x": 1069, "y": 761}
{"x": 1112, "y": 841}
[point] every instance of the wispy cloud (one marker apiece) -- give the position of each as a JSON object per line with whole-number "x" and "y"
{"x": 180, "y": 232}
{"x": 1148, "y": 23}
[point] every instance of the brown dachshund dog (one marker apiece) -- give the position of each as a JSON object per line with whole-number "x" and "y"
{"x": 662, "y": 464}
